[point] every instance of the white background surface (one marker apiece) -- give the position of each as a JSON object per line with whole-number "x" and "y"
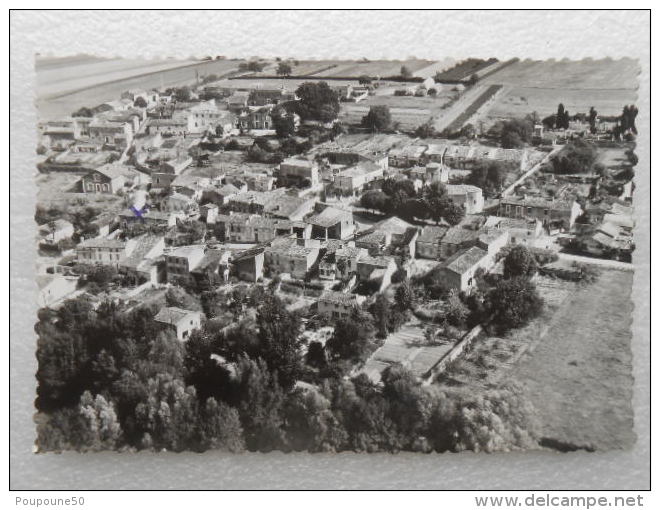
{"x": 355, "y": 34}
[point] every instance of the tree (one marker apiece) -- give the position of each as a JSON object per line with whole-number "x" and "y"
{"x": 317, "y": 102}
{"x": 364, "y": 79}
{"x": 378, "y": 118}
{"x": 374, "y": 199}
{"x": 284, "y": 69}
{"x": 140, "y": 102}
{"x": 83, "y": 112}
{"x": 513, "y": 302}
{"x": 404, "y": 295}
{"x": 627, "y": 119}
{"x": 562, "y": 118}
{"x": 452, "y": 213}
{"x": 283, "y": 122}
{"x": 311, "y": 424}
{"x": 500, "y": 419}
{"x": 405, "y": 73}
{"x": 316, "y": 356}
{"x": 101, "y": 429}
{"x": 593, "y": 117}
{"x": 221, "y": 427}
{"x": 515, "y": 133}
{"x": 457, "y": 312}
{"x": 260, "y": 405}
{"x": 519, "y": 262}
{"x": 183, "y": 94}
{"x": 351, "y": 338}
{"x": 279, "y": 340}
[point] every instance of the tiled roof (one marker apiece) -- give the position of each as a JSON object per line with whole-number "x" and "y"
{"x": 172, "y": 315}
{"x": 458, "y": 235}
{"x": 338, "y": 298}
{"x": 464, "y": 260}
{"x": 432, "y": 233}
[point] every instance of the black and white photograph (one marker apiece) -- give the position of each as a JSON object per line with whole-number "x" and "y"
{"x": 277, "y": 253}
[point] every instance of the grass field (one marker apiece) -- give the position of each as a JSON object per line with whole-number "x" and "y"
{"x": 580, "y": 375}
{"x": 574, "y": 362}
{"x": 62, "y": 189}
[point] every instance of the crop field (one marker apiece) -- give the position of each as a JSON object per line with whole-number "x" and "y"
{"x": 574, "y": 362}
{"x": 409, "y": 112}
{"x": 380, "y": 68}
{"x": 540, "y": 86}
{"x": 63, "y": 89}
{"x": 466, "y": 68}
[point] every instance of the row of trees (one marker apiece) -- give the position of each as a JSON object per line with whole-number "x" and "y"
{"x": 399, "y": 197}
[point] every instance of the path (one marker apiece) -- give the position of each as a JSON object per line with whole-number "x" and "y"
{"x": 530, "y": 172}
{"x": 612, "y": 264}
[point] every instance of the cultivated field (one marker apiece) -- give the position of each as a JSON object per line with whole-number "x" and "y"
{"x": 540, "y": 86}
{"x": 409, "y": 112}
{"x": 380, "y": 68}
{"x": 574, "y": 362}
{"x": 62, "y": 90}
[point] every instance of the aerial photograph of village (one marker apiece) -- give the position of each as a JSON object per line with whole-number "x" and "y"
{"x": 329, "y": 255}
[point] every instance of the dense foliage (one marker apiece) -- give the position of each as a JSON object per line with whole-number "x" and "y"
{"x": 111, "y": 379}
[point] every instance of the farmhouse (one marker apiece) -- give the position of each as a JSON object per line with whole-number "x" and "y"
{"x": 521, "y": 230}
{"x": 408, "y": 156}
{"x": 459, "y": 270}
{"x": 428, "y": 242}
{"x": 181, "y": 261}
{"x": 467, "y": 196}
{"x": 332, "y": 223}
{"x": 251, "y": 228}
{"x": 390, "y": 231}
{"x": 356, "y": 178}
{"x": 249, "y": 264}
{"x": 298, "y": 172}
{"x": 102, "y": 251}
{"x": 108, "y": 179}
{"x": 181, "y": 322}
{"x": 554, "y": 214}
{"x": 338, "y": 305}
{"x": 293, "y": 256}
{"x": 115, "y": 135}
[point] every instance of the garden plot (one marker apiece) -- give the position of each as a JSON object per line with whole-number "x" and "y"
{"x": 409, "y": 347}
{"x": 409, "y": 112}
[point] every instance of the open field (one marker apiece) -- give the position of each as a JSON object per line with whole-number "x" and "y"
{"x": 380, "y": 68}
{"x": 267, "y": 83}
{"x": 574, "y": 362}
{"x": 604, "y": 74}
{"x": 105, "y": 83}
{"x": 409, "y": 112}
{"x": 540, "y": 86}
{"x": 520, "y": 101}
{"x": 62, "y": 189}
{"x": 54, "y": 80}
